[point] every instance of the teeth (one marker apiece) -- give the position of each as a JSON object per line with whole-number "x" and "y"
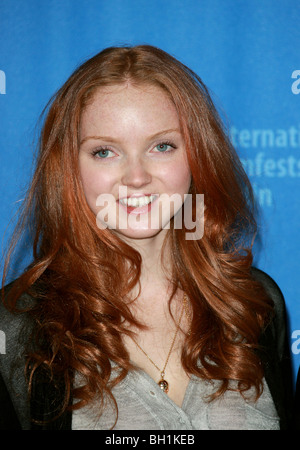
{"x": 137, "y": 202}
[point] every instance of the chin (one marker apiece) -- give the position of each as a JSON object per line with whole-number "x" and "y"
{"x": 140, "y": 233}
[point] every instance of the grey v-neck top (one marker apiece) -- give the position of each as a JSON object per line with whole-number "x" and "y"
{"x": 142, "y": 405}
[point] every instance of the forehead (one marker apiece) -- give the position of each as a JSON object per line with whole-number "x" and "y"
{"x": 129, "y": 106}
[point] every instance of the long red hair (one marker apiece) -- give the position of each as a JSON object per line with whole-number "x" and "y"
{"x": 81, "y": 276}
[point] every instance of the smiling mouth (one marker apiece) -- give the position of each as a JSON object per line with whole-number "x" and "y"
{"x": 138, "y": 205}
{"x": 138, "y": 202}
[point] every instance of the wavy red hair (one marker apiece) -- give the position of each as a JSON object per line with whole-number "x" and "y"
{"x": 81, "y": 276}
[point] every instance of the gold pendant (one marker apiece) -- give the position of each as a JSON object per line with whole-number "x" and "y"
{"x": 164, "y": 385}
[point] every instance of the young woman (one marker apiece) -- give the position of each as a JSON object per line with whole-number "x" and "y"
{"x": 126, "y": 318}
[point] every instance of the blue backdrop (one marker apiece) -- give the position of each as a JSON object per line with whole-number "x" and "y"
{"x": 246, "y": 51}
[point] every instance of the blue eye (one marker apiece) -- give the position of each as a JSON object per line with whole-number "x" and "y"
{"x": 164, "y": 147}
{"x": 102, "y": 153}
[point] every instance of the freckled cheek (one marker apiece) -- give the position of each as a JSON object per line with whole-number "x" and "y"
{"x": 96, "y": 183}
{"x": 178, "y": 178}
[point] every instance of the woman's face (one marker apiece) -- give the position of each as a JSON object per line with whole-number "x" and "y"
{"x": 132, "y": 160}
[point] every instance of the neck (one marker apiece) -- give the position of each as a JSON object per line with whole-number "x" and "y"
{"x": 156, "y": 259}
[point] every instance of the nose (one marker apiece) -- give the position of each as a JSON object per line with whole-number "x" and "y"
{"x": 136, "y": 174}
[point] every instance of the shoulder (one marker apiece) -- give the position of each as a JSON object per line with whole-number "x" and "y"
{"x": 271, "y": 288}
{"x": 11, "y": 323}
{"x": 265, "y": 279}
{"x": 15, "y": 333}
{"x": 16, "y": 326}
{"x": 274, "y": 350}
{"x": 276, "y": 332}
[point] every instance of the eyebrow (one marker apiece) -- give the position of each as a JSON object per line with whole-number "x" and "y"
{"x": 111, "y": 139}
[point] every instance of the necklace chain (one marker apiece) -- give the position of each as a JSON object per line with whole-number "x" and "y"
{"x": 164, "y": 385}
